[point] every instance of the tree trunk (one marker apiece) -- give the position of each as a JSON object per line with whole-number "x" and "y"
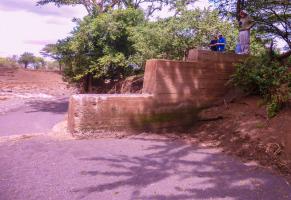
{"x": 60, "y": 66}
{"x": 271, "y": 51}
{"x": 239, "y": 7}
{"x": 88, "y": 83}
{"x": 284, "y": 56}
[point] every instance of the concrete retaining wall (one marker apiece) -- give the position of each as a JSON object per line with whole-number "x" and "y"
{"x": 173, "y": 92}
{"x": 211, "y": 56}
{"x": 92, "y": 112}
{"x": 194, "y": 82}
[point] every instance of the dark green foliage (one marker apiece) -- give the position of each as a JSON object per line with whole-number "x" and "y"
{"x": 273, "y": 18}
{"x": 100, "y": 47}
{"x": 113, "y": 45}
{"x": 95, "y": 8}
{"x": 29, "y": 59}
{"x": 170, "y": 38}
{"x": 39, "y": 62}
{"x": 26, "y": 59}
{"x": 267, "y": 78}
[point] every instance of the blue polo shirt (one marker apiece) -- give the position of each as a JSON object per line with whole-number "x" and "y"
{"x": 221, "y": 47}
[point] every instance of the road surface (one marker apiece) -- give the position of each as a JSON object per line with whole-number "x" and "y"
{"x": 37, "y": 116}
{"x": 142, "y": 167}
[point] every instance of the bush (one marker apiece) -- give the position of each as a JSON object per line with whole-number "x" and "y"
{"x": 267, "y": 78}
{"x": 114, "y": 45}
{"x": 100, "y": 48}
{"x": 8, "y": 62}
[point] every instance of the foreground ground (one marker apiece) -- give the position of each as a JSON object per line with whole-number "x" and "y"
{"x": 31, "y": 101}
{"x": 144, "y": 166}
{"x": 215, "y": 159}
{"x": 34, "y": 116}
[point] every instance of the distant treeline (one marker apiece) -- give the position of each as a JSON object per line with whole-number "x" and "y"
{"x": 28, "y": 61}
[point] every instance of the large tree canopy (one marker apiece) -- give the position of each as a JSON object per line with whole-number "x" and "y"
{"x": 26, "y": 58}
{"x": 116, "y": 37}
{"x": 111, "y": 45}
{"x": 29, "y": 59}
{"x": 99, "y": 47}
{"x": 172, "y": 37}
{"x": 273, "y": 17}
{"x": 94, "y": 7}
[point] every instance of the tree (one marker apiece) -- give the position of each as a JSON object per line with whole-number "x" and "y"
{"x": 92, "y": 6}
{"x": 13, "y": 58}
{"x": 52, "y": 65}
{"x": 100, "y": 47}
{"x": 95, "y": 7}
{"x": 38, "y": 62}
{"x": 26, "y": 59}
{"x": 52, "y": 51}
{"x": 106, "y": 47}
{"x": 273, "y": 17}
{"x": 29, "y": 59}
{"x": 172, "y": 37}
{"x": 230, "y": 7}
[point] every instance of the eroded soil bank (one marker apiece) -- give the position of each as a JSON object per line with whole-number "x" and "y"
{"x": 242, "y": 128}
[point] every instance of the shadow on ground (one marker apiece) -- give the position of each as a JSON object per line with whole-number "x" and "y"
{"x": 143, "y": 167}
{"x": 168, "y": 170}
{"x": 58, "y": 107}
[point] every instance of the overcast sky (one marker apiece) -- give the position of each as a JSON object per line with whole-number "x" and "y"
{"x": 25, "y": 27}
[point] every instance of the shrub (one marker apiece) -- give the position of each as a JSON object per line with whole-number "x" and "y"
{"x": 8, "y": 62}
{"x": 265, "y": 77}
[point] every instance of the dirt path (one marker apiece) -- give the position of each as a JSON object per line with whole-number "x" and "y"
{"x": 31, "y": 101}
{"x": 142, "y": 167}
{"x": 37, "y": 116}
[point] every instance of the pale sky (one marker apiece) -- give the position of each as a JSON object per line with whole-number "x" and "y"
{"x": 25, "y": 27}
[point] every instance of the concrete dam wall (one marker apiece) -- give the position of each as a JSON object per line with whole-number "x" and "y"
{"x": 173, "y": 92}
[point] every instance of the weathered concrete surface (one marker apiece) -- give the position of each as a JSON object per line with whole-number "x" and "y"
{"x": 210, "y": 56}
{"x": 172, "y": 93}
{"x": 197, "y": 83}
{"x": 106, "y": 112}
{"x": 143, "y": 167}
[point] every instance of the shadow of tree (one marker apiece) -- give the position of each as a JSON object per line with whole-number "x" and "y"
{"x": 53, "y": 106}
{"x": 171, "y": 170}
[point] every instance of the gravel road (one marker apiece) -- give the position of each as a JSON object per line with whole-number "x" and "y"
{"x": 142, "y": 167}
